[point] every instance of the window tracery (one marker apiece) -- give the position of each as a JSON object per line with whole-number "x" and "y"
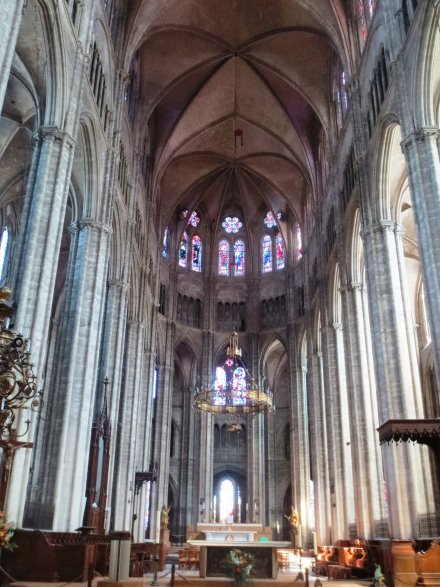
{"x": 269, "y": 220}
{"x": 232, "y": 224}
{"x": 194, "y": 219}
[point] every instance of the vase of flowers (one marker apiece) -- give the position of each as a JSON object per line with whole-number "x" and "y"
{"x": 6, "y": 533}
{"x": 239, "y": 565}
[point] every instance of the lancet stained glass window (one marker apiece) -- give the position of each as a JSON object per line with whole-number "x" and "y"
{"x": 267, "y": 254}
{"x": 298, "y": 238}
{"x": 239, "y": 258}
{"x": 183, "y": 250}
{"x": 223, "y": 257}
{"x": 269, "y": 220}
{"x": 165, "y": 242}
{"x": 196, "y": 257}
{"x": 362, "y": 19}
{"x": 280, "y": 251}
{"x": 232, "y": 224}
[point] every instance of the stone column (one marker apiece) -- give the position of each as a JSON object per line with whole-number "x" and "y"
{"x": 63, "y": 445}
{"x": 112, "y": 361}
{"x": 362, "y": 407}
{"x": 37, "y": 248}
{"x": 163, "y": 424}
{"x": 255, "y": 470}
{"x": 318, "y": 433}
{"x": 10, "y": 19}
{"x": 397, "y": 382}
{"x": 126, "y": 448}
{"x": 421, "y": 152}
{"x": 338, "y": 426}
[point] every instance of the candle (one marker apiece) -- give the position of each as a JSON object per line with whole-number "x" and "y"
{"x": 158, "y": 526}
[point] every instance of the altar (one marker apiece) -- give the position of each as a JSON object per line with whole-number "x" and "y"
{"x": 231, "y": 532}
{"x": 213, "y": 556}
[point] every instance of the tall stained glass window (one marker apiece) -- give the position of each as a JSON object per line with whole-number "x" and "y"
{"x": 362, "y": 19}
{"x": 196, "y": 257}
{"x": 267, "y": 254}
{"x": 223, "y": 257}
{"x": 183, "y": 250}
{"x": 239, "y": 258}
{"x": 269, "y": 220}
{"x": 3, "y": 249}
{"x": 280, "y": 251}
{"x": 298, "y": 239}
{"x": 165, "y": 241}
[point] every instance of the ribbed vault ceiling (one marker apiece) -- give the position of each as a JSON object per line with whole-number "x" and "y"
{"x": 210, "y": 67}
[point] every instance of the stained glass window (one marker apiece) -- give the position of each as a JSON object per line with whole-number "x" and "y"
{"x": 269, "y": 220}
{"x": 194, "y": 219}
{"x": 165, "y": 242}
{"x": 196, "y": 258}
{"x": 183, "y": 250}
{"x": 299, "y": 247}
{"x": 239, "y": 258}
{"x": 362, "y": 19}
{"x": 232, "y": 224}
{"x": 223, "y": 258}
{"x": 267, "y": 254}
{"x": 3, "y": 249}
{"x": 280, "y": 251}
{"x": 239, "y": 386}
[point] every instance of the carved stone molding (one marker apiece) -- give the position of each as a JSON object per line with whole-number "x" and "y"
{"x": 90, "y": 223}
{"x": 426, "y": 133}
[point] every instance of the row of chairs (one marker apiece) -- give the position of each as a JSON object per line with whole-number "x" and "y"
{"x": 189, "y": 558}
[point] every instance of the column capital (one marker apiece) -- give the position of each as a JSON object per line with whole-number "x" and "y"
{"x": 90, "y": 223}
{"x": 421, "y": 135}
{"x": 53, "y": 133}
{"x": 117, "y": 284}
{"x": 382, "y": 226}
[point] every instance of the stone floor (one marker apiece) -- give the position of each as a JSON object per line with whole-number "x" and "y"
{"x": 190, "y": 578}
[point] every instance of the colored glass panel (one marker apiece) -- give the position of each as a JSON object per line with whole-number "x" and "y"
{"x": 299, "y": 246}
{"x": 362, "y": 19}
{"x": 269, "y": 220}
{"x": 239, "y": 386}
{"x": 267, "y": 254}
{"x": 196, "y": 258}
{"x": 280, "y": 251}
{"x": 165, "y": 242}
{"x": 194, "y": 219}
{"x": 239, "y": 258}
{"x": 223, "y": 258}
{"x": 183, "y": 250}
{"x": 232, "y": 224}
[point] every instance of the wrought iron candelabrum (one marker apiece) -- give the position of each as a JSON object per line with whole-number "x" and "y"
{"x": 18, "y": 389}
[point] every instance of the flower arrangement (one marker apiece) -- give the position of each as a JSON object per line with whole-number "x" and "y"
{"x": 6, "y": 533}
{"x": 239, "y": 565}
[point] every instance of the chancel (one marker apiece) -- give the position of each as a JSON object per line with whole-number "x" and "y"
{"x": 220, "y": 258}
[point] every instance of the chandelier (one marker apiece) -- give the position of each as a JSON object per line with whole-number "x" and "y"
{"x": 18, "y": 388}
{"x": 234, "y": 391}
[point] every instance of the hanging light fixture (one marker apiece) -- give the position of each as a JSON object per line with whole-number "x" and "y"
{"x": 234, "y": 391}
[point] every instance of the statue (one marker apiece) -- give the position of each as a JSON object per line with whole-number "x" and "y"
{"x": 165, "y": 517}
{"x": 293, "y": 517}
{"x": 379, "y": 578}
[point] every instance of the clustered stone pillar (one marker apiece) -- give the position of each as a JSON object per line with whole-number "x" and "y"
{"x": 398, "y": 387}
{"x": 318, "y": 436}
{"x": 10, "y": 19}
{"x": 421, "y": 150}
{"x": 338, "y": 425}
{"x": 362, "y": 407}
